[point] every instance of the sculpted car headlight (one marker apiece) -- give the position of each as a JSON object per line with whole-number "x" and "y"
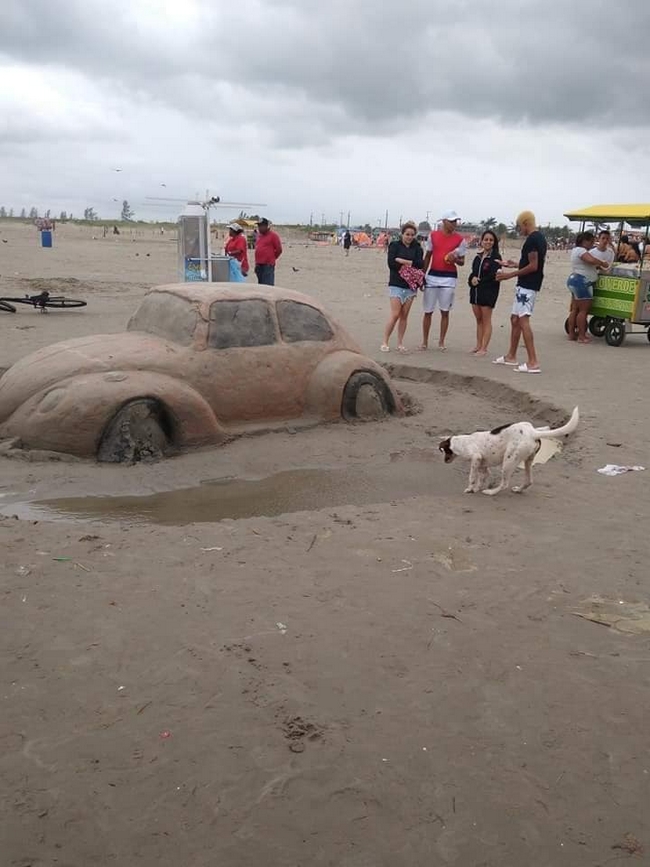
{"x": 51, "y": 400}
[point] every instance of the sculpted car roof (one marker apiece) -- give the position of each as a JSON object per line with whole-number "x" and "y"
{"x": 206, "y": 293}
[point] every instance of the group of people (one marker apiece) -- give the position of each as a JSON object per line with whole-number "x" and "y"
{"x": 434, "y": 270}
{"x": 268, "y": 249}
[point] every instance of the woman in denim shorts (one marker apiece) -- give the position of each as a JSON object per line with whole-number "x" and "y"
{"x": 580, "y": 283}
{"x": 403, "y": 254}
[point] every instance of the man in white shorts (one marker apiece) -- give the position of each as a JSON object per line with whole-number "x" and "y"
{"x": 445, "y": 250}
{"x": 529, "y": 276}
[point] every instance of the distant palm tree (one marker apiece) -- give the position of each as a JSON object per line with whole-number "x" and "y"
{"x": 490, "y": 223}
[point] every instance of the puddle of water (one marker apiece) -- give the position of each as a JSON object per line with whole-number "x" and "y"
{"x": 282, "y": 493}
{"x": 216, "y": 499}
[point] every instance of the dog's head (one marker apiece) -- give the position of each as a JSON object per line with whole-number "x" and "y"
{"x": 445, "y": 448}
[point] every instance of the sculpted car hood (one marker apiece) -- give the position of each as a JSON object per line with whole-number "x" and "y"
{"x": 99, "y": 352}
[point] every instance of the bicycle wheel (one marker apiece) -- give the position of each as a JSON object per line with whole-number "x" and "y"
{"x": 64, "y": 302}
{"x": 6, "y": 307}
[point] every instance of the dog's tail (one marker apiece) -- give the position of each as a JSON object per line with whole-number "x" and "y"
{"x": 564, "y": 431}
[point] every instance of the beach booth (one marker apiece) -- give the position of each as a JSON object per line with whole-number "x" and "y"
{"x": 622, "y": 295}
{"x": 45, "y": 228}
{"x": 196, "y": 262}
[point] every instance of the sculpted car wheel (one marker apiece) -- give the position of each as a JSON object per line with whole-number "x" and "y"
{"x": 139, "y": 431}
{"x": 366, "y": 397}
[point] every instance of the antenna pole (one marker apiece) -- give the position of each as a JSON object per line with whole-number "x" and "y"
{"x": 208, "y": 250}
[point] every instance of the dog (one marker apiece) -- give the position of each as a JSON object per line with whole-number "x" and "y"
{"x": 506, "y": 446}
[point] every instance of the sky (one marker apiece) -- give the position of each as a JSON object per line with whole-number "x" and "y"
{"x": 309, "y": 109}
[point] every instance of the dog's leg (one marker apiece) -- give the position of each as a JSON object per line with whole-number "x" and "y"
{"x": 473, "y": 474}
{"x": 528, "y": 476}
{"x": 483, "y": 476}
{"x": 508, "y": 467}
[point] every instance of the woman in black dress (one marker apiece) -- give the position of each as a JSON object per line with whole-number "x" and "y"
{"x": 484, "y": 289}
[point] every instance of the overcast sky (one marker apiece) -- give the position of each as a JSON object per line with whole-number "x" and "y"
{"x": 323, "y": 106}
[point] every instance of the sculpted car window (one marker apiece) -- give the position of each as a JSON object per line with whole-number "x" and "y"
{"x": 302, "y": 322}
{"x": 240, "y": 323}
{"x": 167, "y": 316}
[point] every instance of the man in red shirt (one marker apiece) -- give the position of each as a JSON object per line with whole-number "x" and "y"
{"x": 268, "y": 249}
{"x": 445, "y": 250}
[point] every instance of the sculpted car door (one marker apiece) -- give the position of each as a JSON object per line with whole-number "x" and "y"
{"x": 247, "y": 367}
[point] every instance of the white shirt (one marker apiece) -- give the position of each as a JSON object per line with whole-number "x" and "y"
{"x": 606, "y": 255}
{"x": 589, "y": 272}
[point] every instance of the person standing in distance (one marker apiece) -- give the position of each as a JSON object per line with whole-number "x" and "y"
{"x": 347, "y": 242}
{"x": 529, "y": 274}
{"x": 445, "y": 250}
{"x": 268, "y": 249}
{"x": 236, "y": 246}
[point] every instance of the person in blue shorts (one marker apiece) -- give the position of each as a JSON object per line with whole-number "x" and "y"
{"x": 406, "y": 252}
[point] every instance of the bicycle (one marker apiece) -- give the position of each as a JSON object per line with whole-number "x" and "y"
{"x": 41, "y": 302}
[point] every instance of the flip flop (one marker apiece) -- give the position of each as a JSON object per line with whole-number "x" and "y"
{"x": 402, "y": 349}
{"x": 442, "y": 348}
{"x": 502, "y": 360}
{"x": 523, "y": 368}
{"x": 384, "y": 348}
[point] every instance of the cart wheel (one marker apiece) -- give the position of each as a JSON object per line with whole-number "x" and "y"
{"x": 598, "y": 325}
{"x": 647, "y": 334}
{"x": 615, "y": 332}
{"x": 566, "y": 328}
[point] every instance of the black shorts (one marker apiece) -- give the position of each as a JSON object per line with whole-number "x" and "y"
{"x": 484, "y": 296}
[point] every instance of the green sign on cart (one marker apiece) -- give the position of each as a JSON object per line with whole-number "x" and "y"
{"x": 615, "y": 296}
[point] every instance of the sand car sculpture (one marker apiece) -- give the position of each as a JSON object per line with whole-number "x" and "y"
{"x": 197, "y": 365}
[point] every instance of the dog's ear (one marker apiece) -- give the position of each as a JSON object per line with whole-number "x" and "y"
{"x": 445, "y": 448}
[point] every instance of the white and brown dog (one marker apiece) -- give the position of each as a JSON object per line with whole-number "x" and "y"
{"x": 506, "y": 446}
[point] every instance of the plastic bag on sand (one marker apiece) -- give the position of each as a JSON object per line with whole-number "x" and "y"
{"x": 617, "y": 470}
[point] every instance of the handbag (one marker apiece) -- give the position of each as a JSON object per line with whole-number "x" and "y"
{"x": 413, "y": 277}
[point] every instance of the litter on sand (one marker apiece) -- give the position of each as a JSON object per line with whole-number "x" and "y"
{"x": 617, "y": 470}
{"x": 630, "y": 617}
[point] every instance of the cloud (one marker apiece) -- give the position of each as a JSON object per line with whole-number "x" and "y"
{"x": 310, "y": 105}
{"x": 367, "y": 65}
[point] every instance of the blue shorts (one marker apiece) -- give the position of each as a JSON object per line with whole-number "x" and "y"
{"x": 581, "y": 288}
{"x": 404, "y": 295}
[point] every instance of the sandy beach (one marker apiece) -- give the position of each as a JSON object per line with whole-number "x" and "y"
{"x": 377, "y": 671}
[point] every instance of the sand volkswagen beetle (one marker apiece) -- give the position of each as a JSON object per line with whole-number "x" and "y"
{"x": 197, "y": 365}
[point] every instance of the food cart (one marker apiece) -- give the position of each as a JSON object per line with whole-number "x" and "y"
{"x": 622, "y": 295}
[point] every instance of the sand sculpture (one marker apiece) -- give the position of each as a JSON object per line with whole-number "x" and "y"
{"x": 197, "y": 365}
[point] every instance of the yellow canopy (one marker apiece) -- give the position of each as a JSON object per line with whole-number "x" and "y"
{"x": 628, "y": 213}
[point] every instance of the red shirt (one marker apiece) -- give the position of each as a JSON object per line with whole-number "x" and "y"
{"x": 237, "y": 248}
{"x": 268, "y": 248}
{"x": 442, "y": 244}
